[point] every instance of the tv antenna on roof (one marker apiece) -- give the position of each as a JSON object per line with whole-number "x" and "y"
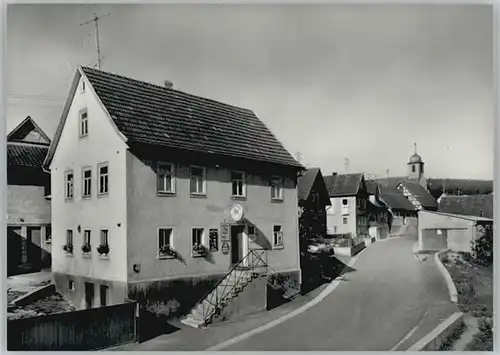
{"x": 95, "y": 20}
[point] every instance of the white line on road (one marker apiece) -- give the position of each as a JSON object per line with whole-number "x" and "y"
{"x": 410, "y": 333}
{"x": 333, "y": 285}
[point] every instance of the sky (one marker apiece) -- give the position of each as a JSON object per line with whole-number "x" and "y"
{"x": 362, "y": 82}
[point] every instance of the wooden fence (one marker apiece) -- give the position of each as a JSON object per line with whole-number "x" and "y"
{"x": 89, "y": 329}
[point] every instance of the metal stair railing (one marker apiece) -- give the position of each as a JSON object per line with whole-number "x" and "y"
{"x": 211, "y": 301}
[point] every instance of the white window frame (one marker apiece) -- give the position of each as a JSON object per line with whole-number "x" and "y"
{"x": 70, "y": 235}
{"x": 106, "y": 176}
{"x": 90, "y": 237}
{"x": 204, "y": 182}
{"x": 163, "y": 177}
{"x": 276, "y": 245}
{"x": 83, "y": 123}
{"x": 278, "y": 182}
{"x": 243, "y": 184}
{"x": 101, "y": 235}
{"x": 84, "y": 170}
{"x": 203, "y": 240}
{"x": 67, "y": 185}
{"x": 160, "y": 256}
{"x": 71, "y": 285}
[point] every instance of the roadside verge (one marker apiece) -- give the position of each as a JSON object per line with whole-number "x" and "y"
{"x": 452, "y": 290}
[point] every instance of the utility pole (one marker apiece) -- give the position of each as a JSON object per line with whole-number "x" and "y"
{"x": 95, "y": 20}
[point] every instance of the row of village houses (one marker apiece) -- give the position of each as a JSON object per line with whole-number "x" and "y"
{"x": 145, "y": 187}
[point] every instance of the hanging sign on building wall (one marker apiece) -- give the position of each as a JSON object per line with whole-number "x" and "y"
{"x": 225, "y": 232}
{"x": 225, "y": 248}
{"x": 213, "y": 240}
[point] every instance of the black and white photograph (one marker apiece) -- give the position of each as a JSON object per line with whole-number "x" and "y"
{"x": 249, "y": 176}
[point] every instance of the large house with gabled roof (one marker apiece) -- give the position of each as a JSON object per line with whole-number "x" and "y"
{"x": 156, "y": 189}
{"x": 28, "y": 199}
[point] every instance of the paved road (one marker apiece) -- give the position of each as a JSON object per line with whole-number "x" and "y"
{"x": 385, "y": 297}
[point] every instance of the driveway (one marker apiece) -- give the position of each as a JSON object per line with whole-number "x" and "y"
{"x": 390, "y": 296}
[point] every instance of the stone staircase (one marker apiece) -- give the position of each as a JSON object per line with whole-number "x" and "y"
{"x": 228, "y": 288}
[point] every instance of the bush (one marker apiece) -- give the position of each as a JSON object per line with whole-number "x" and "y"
{"x": 482, "y": 247}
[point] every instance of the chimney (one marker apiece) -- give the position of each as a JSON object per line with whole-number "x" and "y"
{"x": 168, "y": 84}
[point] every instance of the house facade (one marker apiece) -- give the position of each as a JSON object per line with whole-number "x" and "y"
{"x": 348, "y": 213}
{"x": 155, "y": 189}
{"x": 439, "y": 231}
{"x": 28, "y": 199}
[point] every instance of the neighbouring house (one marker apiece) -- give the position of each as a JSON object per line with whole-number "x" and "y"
{"x": 313, "y": 199}
{"x": 468, "y": 205}
{"x": 438, "y": 187}
{"x": 158, "y": 194}
{"x": 439, "y": 231}
{"x": 402, "y": 217}
{"x": 28, "y": 199}
{"x": 378, "y": 213}
{"x": 418, "y": 195}
{"x": 348, "y": 214}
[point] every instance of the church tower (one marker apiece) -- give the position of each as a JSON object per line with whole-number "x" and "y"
{"x": 416, "y": 168}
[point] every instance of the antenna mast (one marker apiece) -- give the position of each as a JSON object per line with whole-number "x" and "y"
{"x": 95, "y": 20}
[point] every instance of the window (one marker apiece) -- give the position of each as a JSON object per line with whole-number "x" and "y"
{"x": 344, "y": 202}
{"x": 413, "y": 168}
{"x": 344, "y": 220}
{"x": 87, "y": 182}
{"x": 86, "y": 237}
{"x": 197, "y": 238}
{"x": 277, "y": 237}
{"x": 238, "y": 182}
{"x": 251, "y": 230}
{"x": 48, "y": 234}
{"x": 164, "y": 237}
{"x": 84, "y": 124}
{"x": 69, "y": 183}
{"x": 104, "y": 237}
{"x": 69, "y": 237}
{"x": 165, "y": 180}
{"x": 276, "y": 188}
{"x": 103, "y": 178}
{"x": 83, "y": 86}
{"x": 104, "y": 295}
{"x": 71, "y": 285}
{"x": 197, "y": 185}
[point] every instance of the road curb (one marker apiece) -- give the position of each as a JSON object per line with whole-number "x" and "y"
{"x": 452, "y": 290}
{"x": 433, "y": 340}
{"x": 331, "y": 287}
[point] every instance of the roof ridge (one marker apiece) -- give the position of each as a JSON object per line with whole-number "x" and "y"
{"x": 164, "y": 88}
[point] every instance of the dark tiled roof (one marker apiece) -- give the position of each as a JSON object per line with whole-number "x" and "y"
{"x": 306, "y": 183}
{"x": 343, "y": 184}
{"x": 396, "y": 200}
{"x": 421, "y": 194}
{"x": 26, "y": 155}
{"x": 473, "y": 205}
{"x": 370, "y": 186}
{"x": 460, "y": 186}
{"x": 391, "y": 182}
{"x": 155, "y": 115}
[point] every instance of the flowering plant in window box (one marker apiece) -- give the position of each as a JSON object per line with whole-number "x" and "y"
{"x": 200, "y": 249}
{"x": 86, "y": 248}
{"x": 103, "y": 249}
{"x": 166, "y": 250}
{"x": 68, "y": 248}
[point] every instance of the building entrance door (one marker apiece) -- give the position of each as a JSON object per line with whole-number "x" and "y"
{"x": 237, "y": 244}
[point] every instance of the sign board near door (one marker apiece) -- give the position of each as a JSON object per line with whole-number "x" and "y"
{"x": 213, "y": 240}
{"x": 225, "y": 248}
{"x": 225, "y": 232}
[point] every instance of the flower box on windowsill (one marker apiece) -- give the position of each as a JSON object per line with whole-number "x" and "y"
{"x": 68, "y": 249}
{"x": 48, "y": 241}
{"x": 277, "y": 247}
{"x": 103, "y": 250}
{"x": 199, "y": 251}
{"x": 165, "y": 193}
{"x": 166, "y": 252}
{"x": 86, "y": 249}
{"x": 238, "y": 198}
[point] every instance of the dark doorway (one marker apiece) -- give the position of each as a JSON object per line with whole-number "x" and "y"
{"x": 236, "y": 244}
{"x": 14, "y": 249}
{"x": 34, "y": 250}
{"x": 104, "y": 295}
{"x": 89, "y": 295}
